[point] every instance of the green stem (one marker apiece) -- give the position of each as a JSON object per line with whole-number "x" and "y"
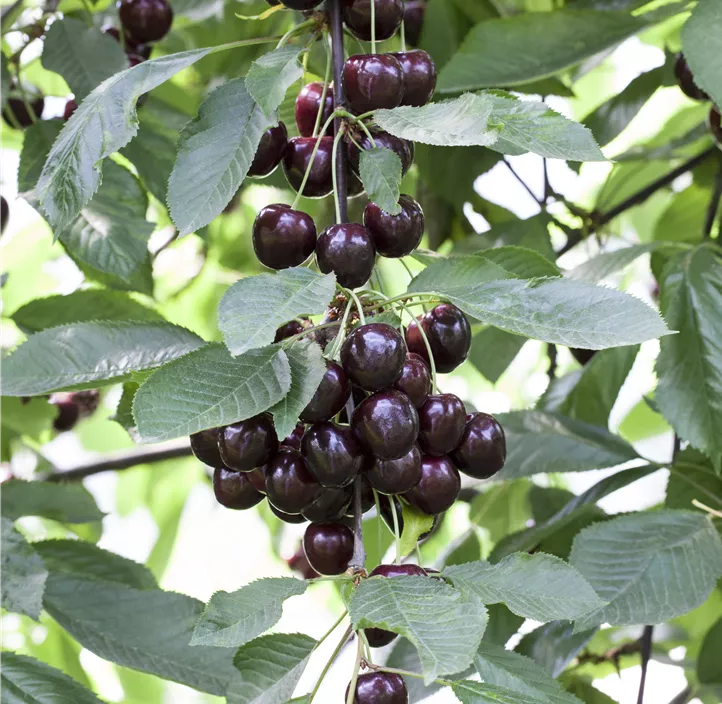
{"x": 378, "y": 525}
{"x": 331, "y": 630}
{"x": 373, "y": 26}
{"x": 88, "y": 11}
{"x": 402, "y": 36}
{"x": 294, "y": 31}
{"x": 339, "y": 338}
{"x": 408, "y": 269}
{"x": 359, "y": 307}
{"x": 408, "y": 673}
{"x": 26, "y": 100}
{"x": 334, "y": 177}
{"x": 330, "y": 662}
{"x": 426, "y": 343}
{"x": 367, "y": 648}
{"x": 397, "y": 532}
{"x": 290, "y": 340}
{"x": 354, "y": 680}
{"x": 326, "y": 81}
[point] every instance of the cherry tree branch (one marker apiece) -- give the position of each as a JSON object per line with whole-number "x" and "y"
{"x": 713, "y": 204}
{"x": 646, "y": 644}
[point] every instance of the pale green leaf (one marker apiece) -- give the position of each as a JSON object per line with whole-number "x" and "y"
{"x": 708, "y": 669}
{"x": 470, "y": 692}
{"x": 272, "y": 75}
{"x": 554, "y": 645}
{"x": 603, "y": 265}
{"x": 67, "y": 503}
{"x": 493, "y": 350}
{"x": 39, "y": 138}
{"x": 380, "y": 171}
{"x": 520, "y": 262}
{"x": 415, "y": 523}
{"x": 702, "y": 46}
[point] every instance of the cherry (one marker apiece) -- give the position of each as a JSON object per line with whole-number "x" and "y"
{"x": 270, "y": 151}
{"x": 5, "y": 214}
{"x": 403, "y": 148}
{"x": 380, "y": 688}
{"x": 439, "y": 486}
{"x": 449, "y": 335}
{"x": 294, "y": 439}
{"x": 289, "y": 329}
{"x": 419, "y": 77}
{"x": 234, "y": 489}
{"x": 368, "y": 501}
{"x": 330, "y": 397}
{"x": 481, "y": 453}
{"x": 298, "y": 562}
{"x": 390, "y": 505}
{"x": 289, "y": 485}
{"x": 373, "y": 81}
{"x": 283, "y": 237}
{"x": 205, "y": 447}
{"x": 582, "y": 356}
{"x": 347, "y": 251}
{"x": 145, "y": 20}
{"x": 396, "y": 476}
{"x": 441, "y": 424}
{"x": 373, "y": 356}
{"x": 299, "y": 4}
{"x": 257, "y": 477}
{"x": 248, "y": 443}
{"x": 395, "y": 235}
{"x": 715, "y": 126}
{"x": 68, "y": 415}
{"x": 387, "y": 424}
{"x": 331, "y": 506}
{"x": 414, "y": 20}
{"x": 296, "y": 161}
{"x": 685, "y": 80}
{"x": 70, "y": 107}
{"x": 388, "y": 17}
{"x": 292, "y": 518}
{"x": 332, "y": 453}
{"x": 415, "y": 379}
{"x": 16, "y": 108}
{"x": 308, "y": 103}
{"x": 328, "y": 547}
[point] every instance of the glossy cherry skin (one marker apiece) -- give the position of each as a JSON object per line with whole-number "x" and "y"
{"x": 205, "y": 447}
{"x": 685, "y": 80}
{"x": 481, "y": 453}
{"x": 234, "y": 489}
{"x": 373, "y": 81}
{"x": 439, "y": 486}
{"x": 282, "y": 237}
{"x": 331, "y": 506}
{"x": 249, "y": 443}
{"x": 449, "y": 335}
{"x": 387, "y": 424}
{"x": 388, "y": 16}
{"x": 297, "y": 158}
{"x": 17, "y": 108}
{"x": 441, "y": 424}
{"x": 373, "y": 356}
{"x": 298, "y": 562}
{"x": 330, "y": 397}
{"x": 67, "y": 417}
{"x": 380, "y": 688}
{"x": 70, "y": 107}
{"x": 347, "y": 251}
{"x": 328, "y": 547}
{"x": 308, "y": 103}
{"x": 403, "y": 148}
{"x": 395, "y": 235}
{"x": 145, "y": 20}
{"x": 301, "y": 4}
{"x": 257, "y": 477}
{"x": 333, "y": 454}
{"x": 415, "y": 379}
{"x": 291, "y": 518}
{"x": 715, "y": 125}
{"x": 414, "y": 20}
{"x": 289, "y": 329}
{"x": 289, "y": 485}
{"x": 419, "y": 77}
{"x": 270, "y": 151}
{"x": 395, "y": 476}
{"x": 294, "y": 439}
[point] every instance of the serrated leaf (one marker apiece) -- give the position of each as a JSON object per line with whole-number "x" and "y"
{"x": 91, "y": 353}
{"x": 209, "y": 388}
{"x": 702, "y": 47}
{"x": 554, "y": 645}
{"x": 252, "y": 309}
{"x": 445, "y": 625}
{"x": 469, "y": 692}
{"x": 235, "y": 618}
{"x": 84, "y": 56}
{"x": 603, "y": 265}
{"x": 380, "y": 171}
{"x": 649, "y": 567}
{"x": 540, "y": 587}
{"x": 416, "y": 523}
{"x": 520, "y": 262}
{"x": 215, "y": 151}
{"x": 272, "y": 75}
{"x": 269, "y": 668}
{"x": 463, "y": 271}
{"x": 67, "y": 503}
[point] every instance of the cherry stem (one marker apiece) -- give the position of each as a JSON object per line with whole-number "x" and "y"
{"x": 373, "y": 26}
{"x": 367, "y": 131}
{"x": 354, "y": 680}
{"x": 357, "y": 303}
{"x": 339, "y": 338}
{"x": 408, "y": 269}
{"x": 294, "y": 31}
{"x": 379, "y": 521}
{"x": 308, "y": 331}
{"x": 397, "y": 533}
{"x": 330, "y": 662}
{"x": 324, "y": 93}
{"x": 336, "y": 624}
{"x": 402, "y": 35}
{"x": 334, "y": 176}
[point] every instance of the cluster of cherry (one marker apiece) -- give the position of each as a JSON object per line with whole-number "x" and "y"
{"x": 685, "y": 80}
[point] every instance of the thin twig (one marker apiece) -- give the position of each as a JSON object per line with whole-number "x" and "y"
{"x": 522, "y": 182}
{"x": 336, "y": 23}
{"x": 646, "y": 642}
{"x": 713, "y": 205}
{"x": 552, "y": 354}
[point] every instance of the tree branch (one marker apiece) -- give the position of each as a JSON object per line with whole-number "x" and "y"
{"x": 646, "y": 642}
{"x": 713, "y": 205}
{"x": 522, "y": 182}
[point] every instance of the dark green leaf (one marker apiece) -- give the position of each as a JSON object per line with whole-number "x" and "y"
{"x": 469, "y": 692}
{"x": 554, "y": 645}
{"x": 532, "y": 233}
{"x": 708, "y": 669}
{"x": 692, "y": 477}
{"x": 493, "y": 350}
{"x": 67, "y": 503}
{"x": 502, "y": 508}
{"x": 684, "y": 217}
{"x": 38, "y": 140}
{"x": 702, "y": 46}
{"x": 380, "y": 171}
{"x": 272, "y": 75}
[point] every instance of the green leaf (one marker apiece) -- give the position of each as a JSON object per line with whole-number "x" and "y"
{"x": 232, "y": 619}
{"x": 272, "y": 75}
{"x": 209, "y": 388}
{"x": 29, "y": 681}
{"x": 24, "y": 574}
{"x": 5, "y": 75}
{"x": 269, "y": 667}
{"x": 502, "y": 508}
{"x": 215, "y": 152}
{"x": 708, "y": 670}
{"x": 252, "y": 309}
{"x": 470, "y": 692}
{"x": 520, "y": 262}
{"x": 689, "y": 366}
{"x": 91, "y": 354}
{"x": 649, "y": 567}
{"x": 540, "y": 587}
{"x": 493, "y": 350}
{"x": 603, "y": 265}
{"x": 459, "y": 272}
{"x": 683, "y": 219}
{"x": 444, "y": 624}
{"x": 380, "y": 171}
{"x": 416, "y": 523}
{"x": 84, "y": 56}
{"x": 39, "y": 138}
{"x": 702, "y": 47}
{"x": 67, "y": 503}
{"x": 692, "y": 476}
{"x": 544, "y": 43}
{"x": 554, "y": 645}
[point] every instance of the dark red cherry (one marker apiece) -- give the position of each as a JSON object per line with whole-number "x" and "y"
{"x": 441, "y": 423}
{"x": 257, "y": 477}
{"x": 403, "y": 148}
{"x": 249, "y": 443}
{"x": 439, "y": 486}
{"x": 294, "y": 439}
{"x": 449, "y": 335}
{"x": 368, "y": 500}
{"x": 301, "y": 5}
{"x": 70, "y": 107}
{"x": 330, "y": 397}
{"x": 380, "y": 688}
{"x": 67, "y": 417}
{"x": 205, "y": 447}
{"x": 715, "y": 126}
{"x": 373, "y": 81}
{"x": 388, "y": 16}
{"x": 387, "y": 424}
{"x": 395, "y": 476}
{"x": 134, "y": 60}
{"x": 270, "y": 151}
{"x": 145, "y": 20}
{"x": 289, "y": 485}
{"x": 415, "y": 380}
{"x": 333, "y": 454}
{"x": 333, "y": 504}
{"x": 298, "y": 562}
{"x": 582, "y": 356}
{"x": 419, "y": 77}
{"x": 373, "y": 356}
{"x": 16, "y": 108}
{"x": 685, "y": 80}
{"x": 289, "y": 329}
{"x": 296, "y": 161}
{"x": 308, "y": 103}
{"x": 414, "y": 20}
{"x": 347, "y": 251}
{"x": 481, "y": 453}
{"x": 4, "y": 214}
{"x": 234, "y": 489}
{"x": 282, "y": 237}
{"x": 395, "y": 235}
{"x": 328, "y": 547}
{"x": 291, "y": 518}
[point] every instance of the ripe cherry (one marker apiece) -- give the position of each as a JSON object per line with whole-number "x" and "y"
{"x": 441, "y": 423}
{"x": 373, "y": 356}
{"x": 439, "y": 486}
{"x": 70, "y": 107}
{"x": 395, "y": 235}
{"x": 257, "y": 477}
{"x": 331, "y": 506}
{"x": 289, "y": 485}
{"x": 395, "y": 476}
{"x": 328, "y": 547}
{"x": 248, "y": 443}
{"x": 270, "y": 151}
{"x": 387, "y": 424}
{"x": 419, "y": 77}
{"x": 715, "y": 126}
{"x": 330, "y": 397}
{"x": 289, "y": 329}
{"x": 294, "y": 439}
{"x": 308, "y": 103}
{"x": 300, "y": 5}
{"x": 685, "y": 80}
{"x": 414, "y": 20}
{"x": 205, "y": 447}
{"x": 67, "y": 417}
{"x": 290, "y": 518}
{"x": 449, "y": 335}
{"x": 333, "y": 455}
{"x": 388, "y": 17}
{"x": 145, "y": 20}
{"x": 380, "y": 688}
{"x": 16, "y": 108}
{"x": 234, "y": 489}
{"x": 481, "y": 453}
{"x": 298, "y": 157}
{"x": 373, "y": 81}
{"x": 347, "y": 251}
{"x": 282, "y": 237}
{"x": 403, "y": 148}
{"x": 415, "y": 380}
{"x": 298, "y": 562}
